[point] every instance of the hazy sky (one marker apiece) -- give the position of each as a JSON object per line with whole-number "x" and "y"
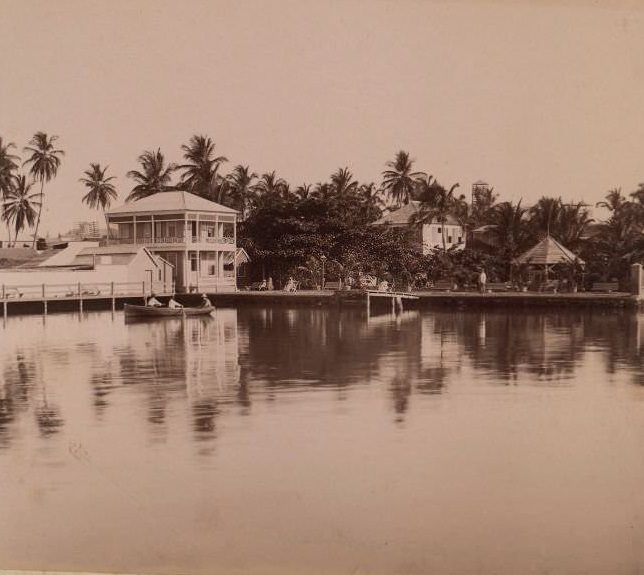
{"x": 539, "y": 98}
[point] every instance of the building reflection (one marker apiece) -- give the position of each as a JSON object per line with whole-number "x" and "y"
{"x": 202, "y": 369}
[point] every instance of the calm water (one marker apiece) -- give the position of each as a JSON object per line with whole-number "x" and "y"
{"x": 312, "y": 441}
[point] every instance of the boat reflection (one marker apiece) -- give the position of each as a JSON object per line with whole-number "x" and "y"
{"x": 204, "y": 367}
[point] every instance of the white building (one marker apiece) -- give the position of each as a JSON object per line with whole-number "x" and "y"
{"x": 197, "y": 236}
{"x": 86, "y": 268}
{"x": 430, "y": 235}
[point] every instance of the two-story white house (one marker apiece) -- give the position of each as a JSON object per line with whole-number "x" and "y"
{"x": 197, "y": 236}
{"x": 426, "y": 236}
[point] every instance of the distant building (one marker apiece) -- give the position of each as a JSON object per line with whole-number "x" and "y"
{"x": 197, "y": 236}
{"x": 426, "y": 236}
{"x": 86, "y": 231}
{"x": 480, "y": 189}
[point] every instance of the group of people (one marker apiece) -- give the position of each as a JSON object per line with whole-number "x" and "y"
{"x": 173, "y": 303}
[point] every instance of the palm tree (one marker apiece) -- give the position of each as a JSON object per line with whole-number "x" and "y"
{"x": 507, "y": 227}
{"x": 269, "y": 183}
{"x": 399, "y": 180}
{"x": 343, "y": 181}
{"x": 614, "y": 200}
{"x": 101, "y": 190}
{"x": 303, "y": 191}
{"x": 436, "y": 205}
{"x": 574, "y": 220}
{"x": 155, "y": 176}
{"x": 8, "y": 166}
{"x": 372, "y": 195}
{"x": 45, "y": 162}
{"x": 241, "y": 187}
{"x": 200, "y": 174}
{"x": 19, "y": 206}
{"x": 483, "y": 200}
{"x": 544, "y": 216}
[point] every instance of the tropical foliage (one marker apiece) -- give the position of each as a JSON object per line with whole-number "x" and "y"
{"x": 101, "y": 191}
{"x": 153, "y": 177}
{"x": 44, "y": 161}
{"x": 399, "y": 180}
{"x": 8, "y": 167}
{"x": 200, "y": 175}
{"x": 291, "y": 230}
{"x": 21, "y": 206}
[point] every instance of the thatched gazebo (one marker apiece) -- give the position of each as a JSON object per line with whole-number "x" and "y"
{"x": 547, "y": 254}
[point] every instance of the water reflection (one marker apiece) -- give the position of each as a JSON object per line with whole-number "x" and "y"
{"x": 278, "y": 435}
{"x": 212, "y": 365}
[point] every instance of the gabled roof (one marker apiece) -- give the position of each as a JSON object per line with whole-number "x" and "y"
{"x": 175, "y": 201}
{"x": 548, "y": 252}
{"x": 66, "y": 256}
{"x": 241, "y": 256}
{"x": 403, "y": 215}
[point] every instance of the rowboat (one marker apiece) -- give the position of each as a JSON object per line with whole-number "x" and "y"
{"x": 149, "y": 311}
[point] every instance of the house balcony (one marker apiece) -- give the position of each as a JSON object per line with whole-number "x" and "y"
{"x": 179, "y": 242}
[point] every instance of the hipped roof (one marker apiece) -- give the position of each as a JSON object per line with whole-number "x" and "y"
{"x": 548, "y": 252}
{"x": 404, "y": 215}
{"x": 175, "y": 201}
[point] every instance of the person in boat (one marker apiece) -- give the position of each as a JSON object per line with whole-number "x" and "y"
{"x": 205, "y": 302}
{"x": 173, "y": 303}
{"x": 153, "y": 301}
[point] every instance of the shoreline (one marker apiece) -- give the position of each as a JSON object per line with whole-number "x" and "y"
{"x": 353, "y": 299}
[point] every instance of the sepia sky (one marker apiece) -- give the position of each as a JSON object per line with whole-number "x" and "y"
{"x": 535, "y": 98}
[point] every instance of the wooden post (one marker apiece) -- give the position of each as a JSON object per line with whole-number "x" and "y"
{"x": 636, "y": 280}
{"x": 80, "y": 298}
{"x": 3, "y": 291}
{"x": 112, "y": 294}
{"x": 368, "y": 303}
{"x": 4, "y": 310}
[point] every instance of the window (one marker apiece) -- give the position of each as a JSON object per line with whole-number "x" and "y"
{"x": 212, "y": 270}
{"x": 440, "y": 231}
{"x": 449, "y": 239}
{"x": 460, "y": 240}
{"x": 193, "y": 263}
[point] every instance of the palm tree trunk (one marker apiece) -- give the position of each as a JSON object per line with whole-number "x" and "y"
{"x": 443, "y": 236}
{"x": 107, "y": 224}
{"x": 42, "y": 201}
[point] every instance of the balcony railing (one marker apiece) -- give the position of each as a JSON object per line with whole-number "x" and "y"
{"x": 170, "y": 240}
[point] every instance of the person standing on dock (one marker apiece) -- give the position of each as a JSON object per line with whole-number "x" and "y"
{"x": 482, "y": 280}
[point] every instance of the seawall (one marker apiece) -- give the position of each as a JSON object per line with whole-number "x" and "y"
{"x": 425, "y": 300}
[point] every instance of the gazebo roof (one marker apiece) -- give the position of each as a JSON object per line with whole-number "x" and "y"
{"x": 547, "y": 252}
{"x": 173, "y": 201}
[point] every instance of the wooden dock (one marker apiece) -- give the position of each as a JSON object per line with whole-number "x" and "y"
{"x": 77, "y": 294}
{"x": 396, "y": 298}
